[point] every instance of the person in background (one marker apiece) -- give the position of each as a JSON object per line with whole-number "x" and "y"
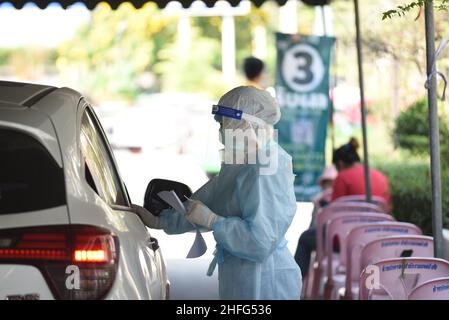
{"x": 326, "y": 182}
{"x": 351, "y": 175}
{"x": 254, "y": 72}
{"x": 307, "y": 240}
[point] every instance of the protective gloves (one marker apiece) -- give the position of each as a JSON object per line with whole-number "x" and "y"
{"x": 147, "y": 217}
{"x": 198, "y": 213}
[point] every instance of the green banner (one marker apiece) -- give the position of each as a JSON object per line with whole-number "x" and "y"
{"x": 302, "y": 90}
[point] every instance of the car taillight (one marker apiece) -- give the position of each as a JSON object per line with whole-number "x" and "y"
{"x": 78, "y": 261}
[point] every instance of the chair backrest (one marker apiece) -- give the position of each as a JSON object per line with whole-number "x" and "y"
{"x": 340, "y": 225}
{"x": 358, "y": 237}
{"x": 380, "y": 201}
{"x": 396, "y": 247}
{"x": 396, "y": 278}
{"x": 326, "y": 213}
{"x": 436, "y": 289}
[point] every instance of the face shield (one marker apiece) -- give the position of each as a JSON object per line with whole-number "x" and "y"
{"x": 242, "y": 141}
{"x": 220, "y": 111}
{"x": 246, "y": 116}
{"x": 245, "y": 125}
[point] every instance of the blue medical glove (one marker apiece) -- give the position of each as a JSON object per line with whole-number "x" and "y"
{"x": 199, "y": 214}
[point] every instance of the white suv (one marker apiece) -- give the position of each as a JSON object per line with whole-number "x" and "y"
{"x": 67, "y": 227}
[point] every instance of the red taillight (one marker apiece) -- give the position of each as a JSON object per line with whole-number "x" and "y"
{"x": 90, "y": 256}
{"x": 56, "y": 250}
{"x": 33, "y": 254}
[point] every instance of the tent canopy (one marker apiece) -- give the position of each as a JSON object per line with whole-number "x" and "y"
{"x": 91, "y": 4}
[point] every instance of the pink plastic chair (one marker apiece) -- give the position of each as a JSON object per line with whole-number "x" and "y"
{"x": 339, "y": 226}
{"x": 358, "y": 238}
{"x": 323, "y": 217}
{"x": 394, "y": 279}
{"x": 436, "y": 289}
{"x": 381, "y": 202}
{"x": 394, "y": 247}
{"x": 336, "y": 208}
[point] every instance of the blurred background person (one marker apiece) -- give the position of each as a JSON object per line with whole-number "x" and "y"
{"x": 351, "y": 177}
{"x": 307, "y": 241}
{"x": 253, "y": 69}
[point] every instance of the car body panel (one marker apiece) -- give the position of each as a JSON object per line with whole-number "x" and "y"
{"x": 51, "y": 216}
{"x": 32, "y": 122}
{"x": 23, "y": 280}
{"x": 55, "y": 121}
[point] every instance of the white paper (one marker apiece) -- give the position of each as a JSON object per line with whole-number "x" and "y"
{"x": 199, "y": 246}
{"x": 173, "y": 200}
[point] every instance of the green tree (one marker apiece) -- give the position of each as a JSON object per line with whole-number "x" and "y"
{"x": 411, "y": 130}
{"x": 402, "y": 10}
{"x": 210, "y": 27}
{"x": 193, "y": 71}
{"x": 108, "y": 55}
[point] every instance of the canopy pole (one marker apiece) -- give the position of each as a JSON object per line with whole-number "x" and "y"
{"x": 362, "y": 101}
{"x": 334, "y": 84}
{"x": 437, "y": 216}
{"x": 323, "y": 19}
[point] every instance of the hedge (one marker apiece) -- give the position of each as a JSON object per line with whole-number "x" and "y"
{"x": 411, "y": 193}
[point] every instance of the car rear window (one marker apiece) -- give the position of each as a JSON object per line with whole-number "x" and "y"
{"x": 30, "y": 179}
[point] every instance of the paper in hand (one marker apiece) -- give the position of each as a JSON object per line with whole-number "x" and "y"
{"x": 173, "y": 200}
{"x": 199, "y": 246}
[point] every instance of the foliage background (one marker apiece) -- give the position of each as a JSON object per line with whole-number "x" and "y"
{"x": 121, "y": 54}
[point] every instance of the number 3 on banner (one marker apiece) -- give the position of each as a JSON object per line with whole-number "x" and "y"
{"x": 302, "y": 68}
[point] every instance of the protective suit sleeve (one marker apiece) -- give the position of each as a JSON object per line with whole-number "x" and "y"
{"x": 173, "y": 222}
{"x": 206, "y": 192}
{"x": 268, "y": 205}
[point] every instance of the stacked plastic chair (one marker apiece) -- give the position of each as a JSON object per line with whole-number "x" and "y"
{"x": 314, "y": 279}
{"x": 379, "y": 201}
{"x": 338, "y": 227}
{"x": 405, "y": 278}
{"x": 379, "y": 258}
{"x": 436, "y": 289}
{"x": 357, "y": 239}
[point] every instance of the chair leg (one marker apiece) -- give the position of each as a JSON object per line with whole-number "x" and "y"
{"x": 342, "y": 294}
{"x": 315, "y": 290}
{"x": 305, "y": 286}
{"x": 308, "y": 280}
{"x": 328, "y": 289}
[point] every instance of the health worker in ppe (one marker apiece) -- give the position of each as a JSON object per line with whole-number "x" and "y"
{"x": 249, "y": 209}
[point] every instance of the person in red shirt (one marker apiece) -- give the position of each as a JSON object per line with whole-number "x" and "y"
{"x": 351, "y": 175}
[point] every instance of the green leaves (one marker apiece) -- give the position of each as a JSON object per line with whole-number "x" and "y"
{"x": 410, "y": 188}
{"x": 411, "y": 130}
{"x": 107, "y": 56}
{"x": 402, "y": 10}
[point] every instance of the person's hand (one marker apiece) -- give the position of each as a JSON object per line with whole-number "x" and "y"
{"x": 198, "y": 213}
{"x": 147, "y": 217}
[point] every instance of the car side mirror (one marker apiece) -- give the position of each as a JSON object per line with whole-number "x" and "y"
{"x": 153, "y": 203}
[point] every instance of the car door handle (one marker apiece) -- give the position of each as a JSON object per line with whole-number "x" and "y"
{"x": 153, "y": 243}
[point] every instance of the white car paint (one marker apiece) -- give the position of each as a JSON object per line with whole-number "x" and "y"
{"x": 54, "y": 120}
